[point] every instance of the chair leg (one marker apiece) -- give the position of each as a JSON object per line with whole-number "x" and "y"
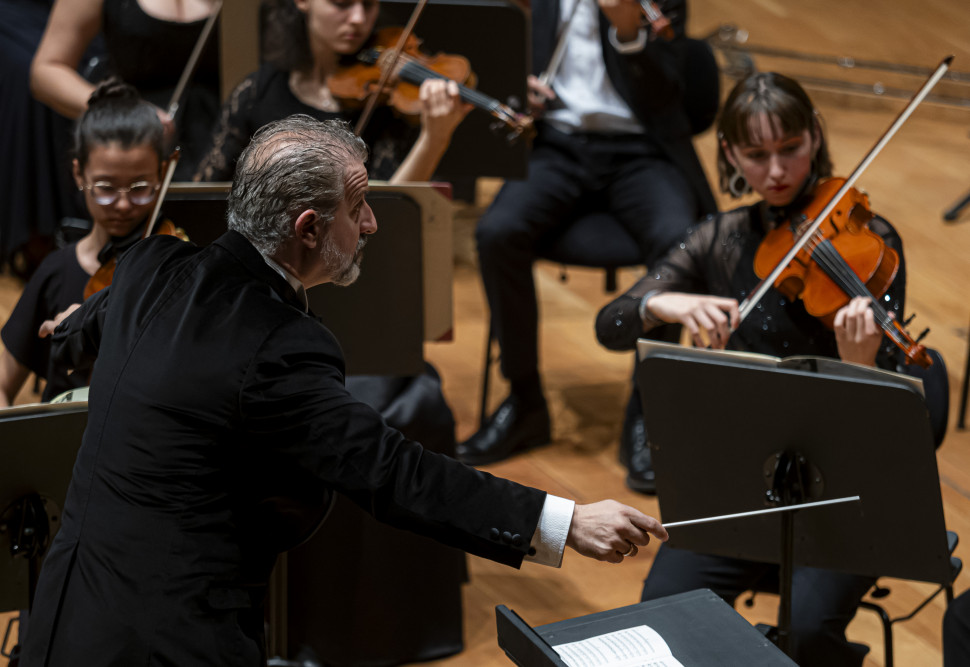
{"x": 887, "y": 630}
{"x": 962, "y": 421}
{"x": 483, "y": 409}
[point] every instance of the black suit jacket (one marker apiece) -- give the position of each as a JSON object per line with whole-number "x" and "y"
{"x": 650, "y": 81}
{"x": 219, "y": 426}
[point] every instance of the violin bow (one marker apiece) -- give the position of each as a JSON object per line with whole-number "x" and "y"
{"x": 548, "y": 74}
{"x": 175, "y": 103}
{"x": 386, "y": 71}
{"x": 166, "y": 181}
{"x": 749, "y": 303}
{"x": 194, "y": 57}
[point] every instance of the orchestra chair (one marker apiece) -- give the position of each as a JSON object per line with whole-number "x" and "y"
{"x": 595, "y": 240}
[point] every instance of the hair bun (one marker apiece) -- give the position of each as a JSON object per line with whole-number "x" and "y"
{"x": 112, "y": 88}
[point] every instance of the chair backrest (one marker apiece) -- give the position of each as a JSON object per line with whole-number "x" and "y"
{"x": 936, "y": 387}
{"x": 595, "y": 239}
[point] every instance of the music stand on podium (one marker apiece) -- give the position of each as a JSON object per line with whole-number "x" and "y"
{"x": 699, "y": 628}
{"x": 724, "y": 422}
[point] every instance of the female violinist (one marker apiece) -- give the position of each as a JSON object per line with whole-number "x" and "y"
{"x": 306, "y": 42}
{"x": 771, "y": 142}
{"x": 118, "y": 164}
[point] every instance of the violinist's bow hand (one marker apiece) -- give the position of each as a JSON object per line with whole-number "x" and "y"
{"x": 709, "y": 319}
{"x": 48, "y": 326}
{"x": 540, "y": 95}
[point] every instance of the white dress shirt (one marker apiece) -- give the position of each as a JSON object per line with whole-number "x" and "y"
{"x": 590, "y": 103}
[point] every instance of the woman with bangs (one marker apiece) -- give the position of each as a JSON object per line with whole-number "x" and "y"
{"x": 770, "y": 142}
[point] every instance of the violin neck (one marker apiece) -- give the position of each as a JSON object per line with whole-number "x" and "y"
{"x": 836, "y": 268}
{"x": 416, "y": 73}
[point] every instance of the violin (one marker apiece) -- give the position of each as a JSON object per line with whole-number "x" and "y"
{"x": 659, "y": 23}
{"x": 355, "y": 84}
{"x": 842, "y": 259}
{"x": 823, "y": 253}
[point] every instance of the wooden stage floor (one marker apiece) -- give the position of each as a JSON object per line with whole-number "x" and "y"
{"x": 920, "y": 174}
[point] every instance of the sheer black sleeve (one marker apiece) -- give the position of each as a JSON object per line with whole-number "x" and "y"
{"x": 231, "y": 135}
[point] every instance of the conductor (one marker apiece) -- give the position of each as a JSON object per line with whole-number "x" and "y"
{"x": 219, "y": 428}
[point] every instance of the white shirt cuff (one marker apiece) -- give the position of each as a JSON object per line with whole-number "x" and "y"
{"x": 628, "y": 47}
{"x": 549, "y": 540}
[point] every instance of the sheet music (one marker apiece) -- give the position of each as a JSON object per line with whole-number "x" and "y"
{"x": 640, "y": 646}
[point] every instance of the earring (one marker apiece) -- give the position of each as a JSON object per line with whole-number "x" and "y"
{"x": 737, "y": 185}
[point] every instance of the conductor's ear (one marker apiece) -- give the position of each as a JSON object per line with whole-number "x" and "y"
{"x": 308, "y": 228}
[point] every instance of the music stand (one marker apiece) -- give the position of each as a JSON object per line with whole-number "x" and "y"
{"x": 38, "y": 445}
{"x": 867, "y": 435}
{"x": 698, "y": 627}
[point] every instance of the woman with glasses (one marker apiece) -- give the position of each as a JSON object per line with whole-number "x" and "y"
{"x": 118, "y": 165}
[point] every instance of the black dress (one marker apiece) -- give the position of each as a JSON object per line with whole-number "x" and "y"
{"x": 150, "y": 54}
{"x": 265, "y": 96}
{"x": 36, "y": 190}
{"x": 58, "y": 282}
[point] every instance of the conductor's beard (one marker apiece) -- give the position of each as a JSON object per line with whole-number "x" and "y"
{"x": 346, "y": 266}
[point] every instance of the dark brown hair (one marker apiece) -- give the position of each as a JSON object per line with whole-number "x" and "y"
{"x": 285, "y": 43}
{"x": 117, "y": 114}
{"x": 785, "y": 102}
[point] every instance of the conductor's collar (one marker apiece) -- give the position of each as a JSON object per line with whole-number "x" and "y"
{"x": 292, "y": 280}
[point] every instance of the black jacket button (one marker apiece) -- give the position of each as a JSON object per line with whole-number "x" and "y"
{"x": 506, "y": 537}
{"x": 493, "y": 533}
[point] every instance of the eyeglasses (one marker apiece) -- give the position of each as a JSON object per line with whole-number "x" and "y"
{"x": 139, "y": 193}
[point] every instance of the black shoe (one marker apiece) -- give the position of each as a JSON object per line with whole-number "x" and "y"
{"x": 635, "y": 450}
{"x": 512, "y": 428}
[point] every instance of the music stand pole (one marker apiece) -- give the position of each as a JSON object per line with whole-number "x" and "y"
{"x": 785, "y": 574}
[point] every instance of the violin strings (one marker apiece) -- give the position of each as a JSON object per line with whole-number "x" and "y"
{"x": 835, "y": 266}
{"x": 418, "y": 72}
{"x": 415, "y": 72}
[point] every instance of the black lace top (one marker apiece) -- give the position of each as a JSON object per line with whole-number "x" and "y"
{"x": 717, "y": 257}
{"x": 265, "y": 96}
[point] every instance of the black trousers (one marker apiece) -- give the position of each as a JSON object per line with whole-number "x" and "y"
{"x": 956, "y": 632}
{"x": 823, "y": 602}
{"x": 626, "y": 176}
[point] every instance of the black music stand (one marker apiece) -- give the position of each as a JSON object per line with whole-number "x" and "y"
{"x": 723, "y": 424}
{"x": 498, "y": 50}
{"x": 698, "y": 626}
{"x": 375, "y": 318}
{"x": 38, "y": 445}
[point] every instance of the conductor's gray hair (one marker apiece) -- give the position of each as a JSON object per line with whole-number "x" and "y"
{"x": 289, "y": 166}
